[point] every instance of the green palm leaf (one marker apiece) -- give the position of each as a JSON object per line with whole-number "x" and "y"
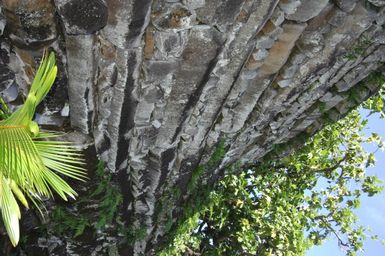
{"x": 30, "y": 160}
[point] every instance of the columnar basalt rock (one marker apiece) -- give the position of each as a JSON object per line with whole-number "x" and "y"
{"x": 32, "y": 25}
{"x": 158, "y": 83}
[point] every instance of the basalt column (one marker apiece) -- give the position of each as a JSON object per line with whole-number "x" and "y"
{"x": 152, "y": 87}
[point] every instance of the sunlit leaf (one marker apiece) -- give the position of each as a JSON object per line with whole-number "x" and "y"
{"x": 31, "y": 161}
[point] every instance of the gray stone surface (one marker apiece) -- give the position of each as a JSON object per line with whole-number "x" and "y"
{"x": 307, "y": 9}
{"x": 156, "y": 84}
{"x": 378, "y": 3}
{"x": 346, "y": 5}
{"x": 82, "y": 17}
{"x": 81, "y": 69}
{"x": 33, "y": 23}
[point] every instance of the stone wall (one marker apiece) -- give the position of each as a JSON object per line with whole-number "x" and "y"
{"x": 156, "y": 84}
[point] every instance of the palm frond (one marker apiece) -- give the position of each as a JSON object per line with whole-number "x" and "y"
{"x": 30, "y": 160}
{"x": 42, "y": 83}
{"x": 10, "y": 210}
{"x": 4, "y": 110}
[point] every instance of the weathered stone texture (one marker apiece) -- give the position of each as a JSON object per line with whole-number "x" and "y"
{"x": 157, "y": 84}
{"x": 82, "y": 17}
{"x": 33, "y": 23}
{"x": 81, "y": 70}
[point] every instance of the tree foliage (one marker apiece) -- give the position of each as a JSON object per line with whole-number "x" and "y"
{"x": 285, "y": 206}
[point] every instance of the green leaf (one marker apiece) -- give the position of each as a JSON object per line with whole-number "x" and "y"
{"x": 30, "y": 160}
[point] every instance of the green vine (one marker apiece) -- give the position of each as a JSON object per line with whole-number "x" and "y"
{"x": 358, "y": 49}
{"x": 204, "y": 198}
{"x": 109, "y": 199}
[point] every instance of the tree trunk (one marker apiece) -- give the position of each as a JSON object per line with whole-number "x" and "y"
{"x": 158, "y": 86}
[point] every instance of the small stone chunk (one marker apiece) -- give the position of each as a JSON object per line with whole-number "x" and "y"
{"x": 346, "y": 5}
{"x": 82, "y": 17}
{"x": 378, "y": 3}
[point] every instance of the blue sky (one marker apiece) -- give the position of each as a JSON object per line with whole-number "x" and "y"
{"x": 372, "y": 211}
